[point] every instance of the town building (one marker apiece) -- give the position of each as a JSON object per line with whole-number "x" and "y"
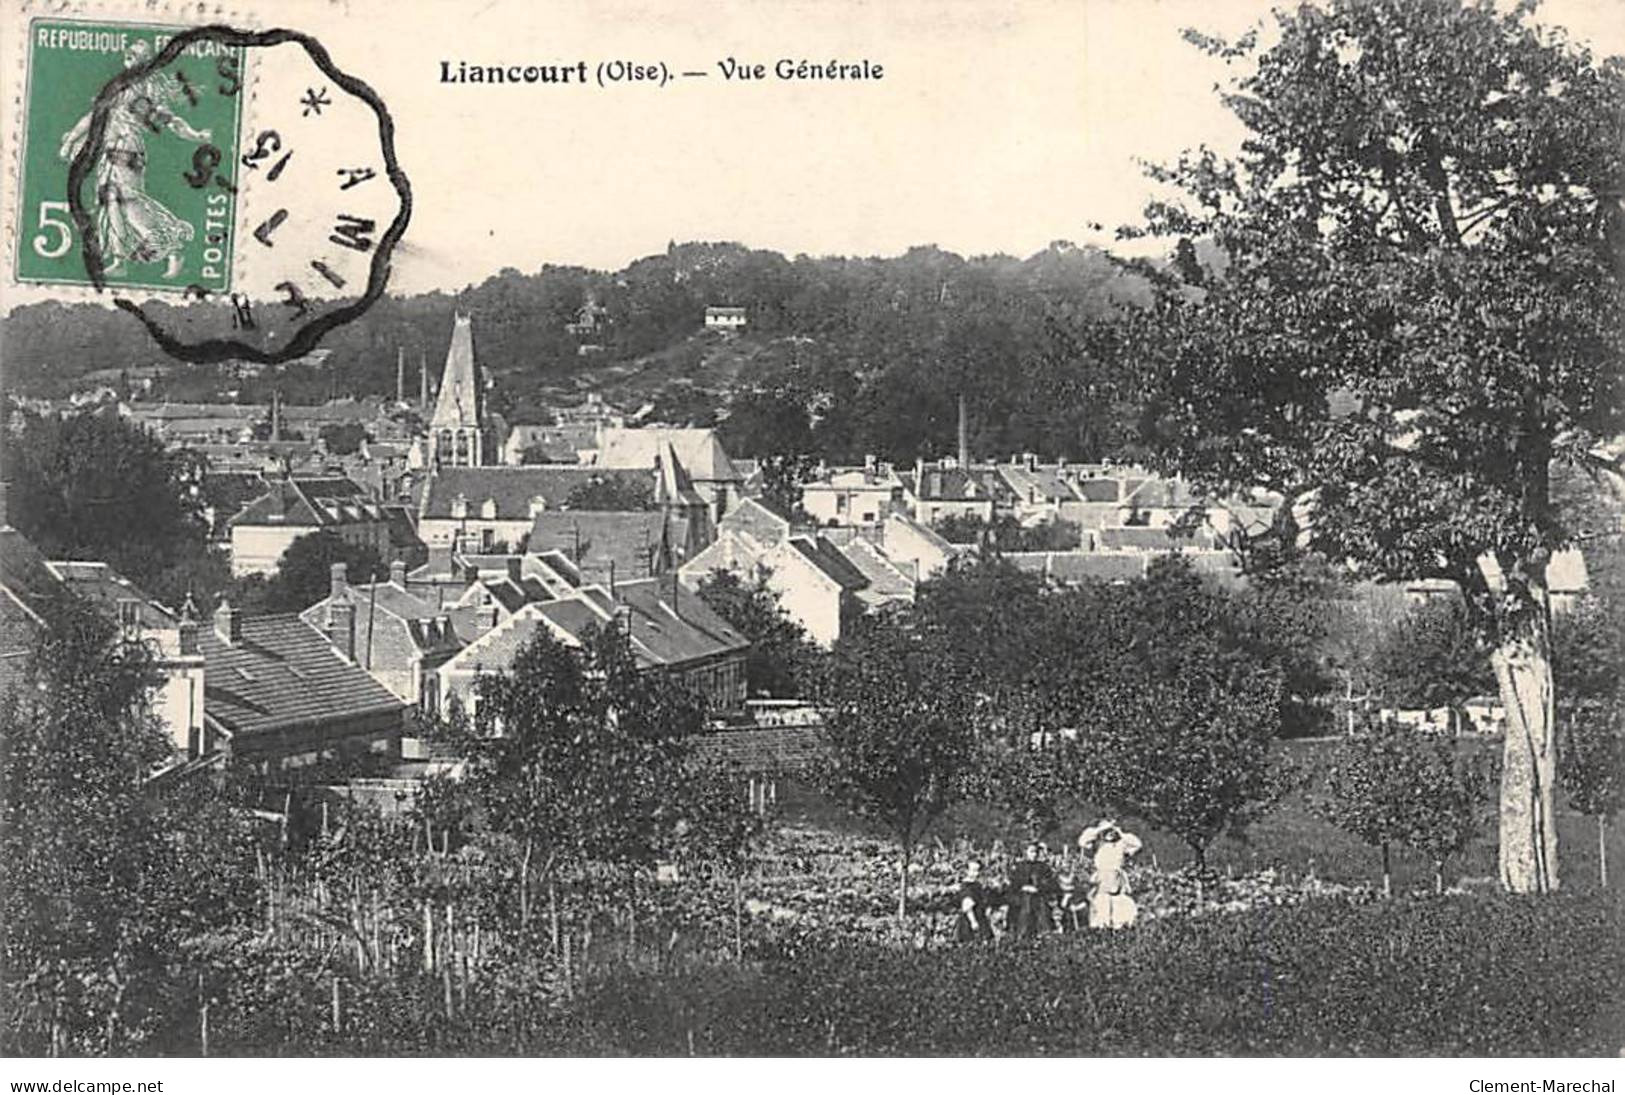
{"x": 398, "y": 638}
{"x": 282, "y": 693}
{"x": 493, "y": 508}
{"x": 294, "y": 506}
{"x": 667, "y": 630}
{"x": 458, "y": 431}
{"x": 852, "y": 496}
{"x": 724, "y": 318}
{"x": 697, "y": 453}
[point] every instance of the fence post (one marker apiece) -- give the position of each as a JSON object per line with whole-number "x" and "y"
{"x": 338, "y": 1017}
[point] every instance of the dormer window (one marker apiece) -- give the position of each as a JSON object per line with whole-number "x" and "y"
{"x": 488, "y": 509}
{"x": 459, "y": 506}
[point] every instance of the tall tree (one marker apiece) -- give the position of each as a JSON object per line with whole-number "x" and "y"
{"x": 94, "y": 486}
{"x": 898, "y": 734}
{"x": 1418, "y": 315}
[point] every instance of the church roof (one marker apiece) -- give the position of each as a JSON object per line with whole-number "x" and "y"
{"x": 460, "y": 403}
{"x": 698, "y": 451}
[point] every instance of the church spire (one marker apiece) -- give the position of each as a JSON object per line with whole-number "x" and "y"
{"x": 457, "y": 427}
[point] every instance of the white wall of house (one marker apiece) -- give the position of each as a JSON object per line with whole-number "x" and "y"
{"x": 441, "y": 531}
{"x": 808, "y": 595}
{"x": 829, "y": 504}
{"x": 257, "y": 549}
{"x": 179, "y": 701}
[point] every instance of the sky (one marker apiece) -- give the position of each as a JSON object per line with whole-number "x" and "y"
{"x": 997, "y": 126}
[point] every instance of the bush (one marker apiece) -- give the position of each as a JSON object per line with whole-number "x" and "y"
{"x": 1477, "y": 976}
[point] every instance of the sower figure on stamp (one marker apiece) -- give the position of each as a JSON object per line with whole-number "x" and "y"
{"x": 974, "y": 924}
{"x": 130, "y": 223}
{"x": 1033, "y": 887}
{"x": 1110, "y": 905}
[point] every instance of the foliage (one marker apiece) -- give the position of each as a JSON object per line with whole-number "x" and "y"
{"x": 93, "y": 486}
{"x": 782, "y": 662}
{"x": 101, "y": 877}
{"x": 578, "y": 756}
{"x": 1176, "y": 711}
{"x": 899, "y": 744}
{"x": 1325, "y": 978}
{"x": 1417, "y": 317}
{"x": 1008, "y": 534}
{"x": 343, "y": 438}
{"x": 783, "y": 474}
{"x": 304, "y": 574}
{"x": 617, "y": 494}
{"x": 1390, "y": 784}
{"x": 1432, "y": 657}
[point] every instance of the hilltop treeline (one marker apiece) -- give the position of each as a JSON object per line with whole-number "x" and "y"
{"x": 850, "y": 353}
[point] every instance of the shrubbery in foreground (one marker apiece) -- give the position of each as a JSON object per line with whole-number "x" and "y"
{"x": 1458, "y": 977}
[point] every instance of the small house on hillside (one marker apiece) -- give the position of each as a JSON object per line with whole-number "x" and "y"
{"x": 724, "y": 318}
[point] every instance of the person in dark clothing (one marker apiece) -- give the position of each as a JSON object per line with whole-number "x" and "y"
{"x": 1033, "y": 890}
{"x": 974, "y": 924}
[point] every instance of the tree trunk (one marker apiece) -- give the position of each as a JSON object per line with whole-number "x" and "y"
{"x": 1523, "y": 669}
{"x": 1438, "y": 876}
{"x": 524, "y": 885}
{"x": 902, "y": 889}
{"x": 1387, "y": 872}
{"x": 1602, "y": 850}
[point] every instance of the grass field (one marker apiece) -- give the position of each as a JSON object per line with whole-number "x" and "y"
{"x": 1292, "y": 839}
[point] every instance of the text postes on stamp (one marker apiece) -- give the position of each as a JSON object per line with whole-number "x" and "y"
{"x": 296, "y": 192}
{"x": 156, "y": 231}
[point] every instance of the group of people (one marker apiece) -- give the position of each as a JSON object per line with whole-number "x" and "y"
{"x": 1036, "y": 900}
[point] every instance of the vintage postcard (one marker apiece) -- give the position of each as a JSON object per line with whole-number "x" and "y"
{"x": 816, "y": 528}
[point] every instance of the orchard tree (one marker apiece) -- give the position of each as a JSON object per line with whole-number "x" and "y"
{"x": 1417, "y": 316}
{"x": 1431, "y": 657}
{"x": 1176, "y": 704}
{"x": 1368, "y": 790}
{"x": 898, "y": 735}
{"x": 578, "y": 757}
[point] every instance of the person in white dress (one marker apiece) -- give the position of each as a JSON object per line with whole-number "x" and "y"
{"x": 1110, "y": 905}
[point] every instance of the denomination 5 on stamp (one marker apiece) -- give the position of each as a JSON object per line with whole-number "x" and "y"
{"x": 160, "y": 219}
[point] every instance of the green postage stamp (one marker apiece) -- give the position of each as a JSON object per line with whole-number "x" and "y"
{"x": 156, "y": 192}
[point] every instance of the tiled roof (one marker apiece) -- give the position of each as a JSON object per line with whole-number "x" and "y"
{"x": 884, "y": 580}
{"x": 1146, "y": 538}
{"x": 1038, "y": 483}
{"x": 701, "y": 454}
{"x": 513, "y": 489}
{"x": 1069, "y": 567}
{"x": 1099, "y": 490}
{"x": 828, "y": 559}
{"x": 663, "y": 633}
{"x": 938, "y": 484}
{"x": 637, "y": 544}
{"x": 284, "y": 674}
{"x": 299, "y": 501}
{"x": 107, "y": 589}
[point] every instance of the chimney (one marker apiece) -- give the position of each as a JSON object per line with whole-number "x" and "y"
{"x": 964, "y": 434}
{"x": 188, "y": 629}
{"x": 228, "y": 624}
{"x": 397, "y": 573}
{"x": 276, "y": 416}
{"x": 400, "y": 374}
{"x": 341, "y": 613}
{"x": 514, "y": 566}
{"x": 423, "y": 385}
